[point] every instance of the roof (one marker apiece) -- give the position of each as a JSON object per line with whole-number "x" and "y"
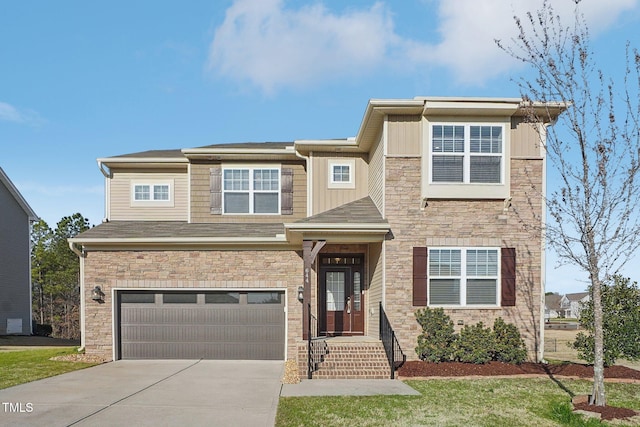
{"x": 157, "y": 154}
{"x": 251, "y": 145}
{"x": 119, "y": 230}
{"x": 4, "y": 179}
{"x": 361, "y": 211}
{"x": 577, "y": 296}
{"x": 552, "y": 302}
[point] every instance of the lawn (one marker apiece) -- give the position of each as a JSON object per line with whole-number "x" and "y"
{"x": 481, "y": 402}
{"x": 18, "y": 367}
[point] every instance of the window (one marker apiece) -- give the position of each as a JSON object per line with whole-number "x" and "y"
{"x": 467, "y": 153}
{"x": 222, "y": 298}
{"x": 463, "y": 276}
{"x": 264, "y": 297}
{"x": 179, "y": 298}
{"x": 251, "y": 190}
{"x": 138, "y": 298}
{"x": 340, "y": 173}
{"x": 151, "y": 192}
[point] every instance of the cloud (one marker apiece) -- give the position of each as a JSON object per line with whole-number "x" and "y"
{"x": 10, "y": 113}
{"x": 271, "y": 46}
{"x": 262, "y": 42}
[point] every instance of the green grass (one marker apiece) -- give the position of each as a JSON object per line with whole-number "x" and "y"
{"x": 483, "y": 402}
{"x": 18, "y": 367}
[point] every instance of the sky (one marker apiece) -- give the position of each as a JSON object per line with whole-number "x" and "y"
{"x": 84, "y": 80}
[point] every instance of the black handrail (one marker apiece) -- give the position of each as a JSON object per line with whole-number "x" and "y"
{"x": 316, "y": 347}
{"x": 395, "y": 356}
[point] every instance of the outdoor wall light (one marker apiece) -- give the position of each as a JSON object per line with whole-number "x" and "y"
{"x": 97, "y": 294}
{"x": 300, "y": 293}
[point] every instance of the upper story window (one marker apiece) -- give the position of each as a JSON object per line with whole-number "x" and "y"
{"x": 341, "y": 173}
{"x": 463, "y": 276}
{"x": 251, "y": 190}
{"x": 151, "y": 192}
{"x": 467, "y": 153}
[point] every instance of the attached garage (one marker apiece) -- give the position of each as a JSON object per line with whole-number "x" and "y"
{"x": 190, "y": 324}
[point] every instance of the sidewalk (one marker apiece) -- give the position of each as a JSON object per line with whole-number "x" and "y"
{"x": 347, "y": 388}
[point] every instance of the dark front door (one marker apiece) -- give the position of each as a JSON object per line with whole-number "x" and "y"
{"x": 341, "y": 298}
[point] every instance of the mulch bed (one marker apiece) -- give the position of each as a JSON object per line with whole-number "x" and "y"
{"x": 575, "y": 370}
{"x": 419, "y": 368}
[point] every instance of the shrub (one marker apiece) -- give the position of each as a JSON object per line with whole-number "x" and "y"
{"x": 475, "y": 344}
{"x": 509, "y": 345}
{"x": 435, "y": 343}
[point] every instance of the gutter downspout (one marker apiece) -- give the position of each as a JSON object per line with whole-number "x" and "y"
{"x": 81, "y": 257}
{"x": 107, "y": 186}
{"x": 309, "y": 187}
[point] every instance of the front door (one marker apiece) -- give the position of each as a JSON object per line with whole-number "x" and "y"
{"x": 341, "y": 296}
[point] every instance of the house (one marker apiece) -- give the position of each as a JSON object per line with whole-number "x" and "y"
{"x": 16, "y": 217}
{"x": 552, "y": 306}
{"x": 575, "y": 302}
{"x": 261, "y": 250}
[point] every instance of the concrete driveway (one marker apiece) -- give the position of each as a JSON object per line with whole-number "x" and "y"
{"x": 153, "y": 393}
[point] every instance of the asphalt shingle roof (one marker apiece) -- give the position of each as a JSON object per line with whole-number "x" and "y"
{"x": 361, "y": 211}
{"x": 176, "y": 229}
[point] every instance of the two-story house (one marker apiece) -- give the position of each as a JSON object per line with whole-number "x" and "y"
{"x": 243, "y": 251}
{"x": 16, "y": 217}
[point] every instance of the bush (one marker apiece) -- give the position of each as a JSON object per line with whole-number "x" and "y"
{"x": 509, "y": 345}
{"x": 435, "y": 343}
{"x": 475, "y": 344}
{"x": 620, "y": 316}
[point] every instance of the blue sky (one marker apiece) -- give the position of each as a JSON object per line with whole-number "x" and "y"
{"x": 81, "y": 80}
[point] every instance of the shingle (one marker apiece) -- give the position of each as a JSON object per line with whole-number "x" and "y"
{"x": 177, "y": 229}
{"x": 361, "y": 211}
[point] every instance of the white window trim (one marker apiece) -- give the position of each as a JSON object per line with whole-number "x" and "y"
{"x": 251, "y": 191}
{"x": 463, "y": 277}
{"x": 152, "y": 202}
{"x": 351, "y": 164}
{"x": 466, "y": 154}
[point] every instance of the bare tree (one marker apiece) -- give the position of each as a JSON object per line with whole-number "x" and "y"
{"x": 594, "y": 148}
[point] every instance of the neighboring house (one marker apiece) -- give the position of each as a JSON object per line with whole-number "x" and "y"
{"x": 552, "y": 307}
{"x": 574, "y": 303}
{"x": 16, "y": 217}
{"x": 208, "y": 252}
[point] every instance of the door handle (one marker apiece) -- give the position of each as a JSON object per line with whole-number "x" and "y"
{"x": 348, "y": 305}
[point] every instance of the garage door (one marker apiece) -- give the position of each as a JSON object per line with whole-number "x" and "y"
{"x": 201, "y": 325}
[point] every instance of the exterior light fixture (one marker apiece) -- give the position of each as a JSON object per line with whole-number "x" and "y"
{"x": 300, "y": 293}
{"x": 97, "y": 294}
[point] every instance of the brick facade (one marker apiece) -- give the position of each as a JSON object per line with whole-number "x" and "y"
{"x": 201, "y": 269}
{"x": 463, "y": 223}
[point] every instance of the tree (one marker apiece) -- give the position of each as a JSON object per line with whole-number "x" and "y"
{"x": 620, "y": 321}
{"x": 55, "y": 275}
{"x": 594, "y": 149}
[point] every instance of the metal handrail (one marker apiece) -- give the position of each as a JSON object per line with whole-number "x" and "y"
{"x": 316, "y": 346}
{"x": 392, "y": 348}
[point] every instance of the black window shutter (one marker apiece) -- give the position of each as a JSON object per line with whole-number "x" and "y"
{"x": 420, "y": 276}
{"x": 286, "y": 191}
{"x": 215, "y": 186}
{"x": 508, "y": 271}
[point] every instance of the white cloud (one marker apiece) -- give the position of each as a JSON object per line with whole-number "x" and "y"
{"x": 10, "y": 113}
{"x": 271, "y": 46}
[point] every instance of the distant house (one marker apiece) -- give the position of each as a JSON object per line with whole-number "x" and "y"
{"x": 16, "y": 217}
{"x": 574, "y": 302}
{"x": 552, "y": 308}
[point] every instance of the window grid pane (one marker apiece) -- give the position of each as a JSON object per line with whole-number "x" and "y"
{"x": 341, "y": 173}
{"x": 485, "y": 139}
{"x": 160, "y": 192}
{"x": 142, "y": 192}
{"x": 444, "y": 262}
{"x": 335, "y": 290}
{"x": 236, "y": 179}
{"x": 266, "y": 180}
{"x": 447, "y": 139}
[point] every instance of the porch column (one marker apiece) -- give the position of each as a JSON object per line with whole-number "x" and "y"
{"x": 309, "y": 254}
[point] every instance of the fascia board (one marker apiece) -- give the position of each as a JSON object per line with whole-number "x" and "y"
{"x": 348, "y": 227}
{"x": 13, "y": 190}
{"x": 280, "y": 238}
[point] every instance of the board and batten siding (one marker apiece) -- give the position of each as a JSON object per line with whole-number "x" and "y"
{"x": 404, "y": 135}
{"x": 324, "y": 197}
{"x": 525, "y": 140}
{"x": 374, "y": 294}
{"x": 15, "y": 292}
{"x": 376, "y": 173}
{"x": 121, "y": 187}
{"x": 201, "y": 196}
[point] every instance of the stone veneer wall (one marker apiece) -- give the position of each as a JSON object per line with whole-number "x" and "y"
{"x": 206, "y": 269}
{"x": 463, "y": 223}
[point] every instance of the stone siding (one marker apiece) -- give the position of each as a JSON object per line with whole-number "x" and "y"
{"x": 463, "y": 223}
{"x": 206, "y": 269}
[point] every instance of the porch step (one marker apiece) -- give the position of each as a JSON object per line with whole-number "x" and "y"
{"x": 353, "y": 360}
